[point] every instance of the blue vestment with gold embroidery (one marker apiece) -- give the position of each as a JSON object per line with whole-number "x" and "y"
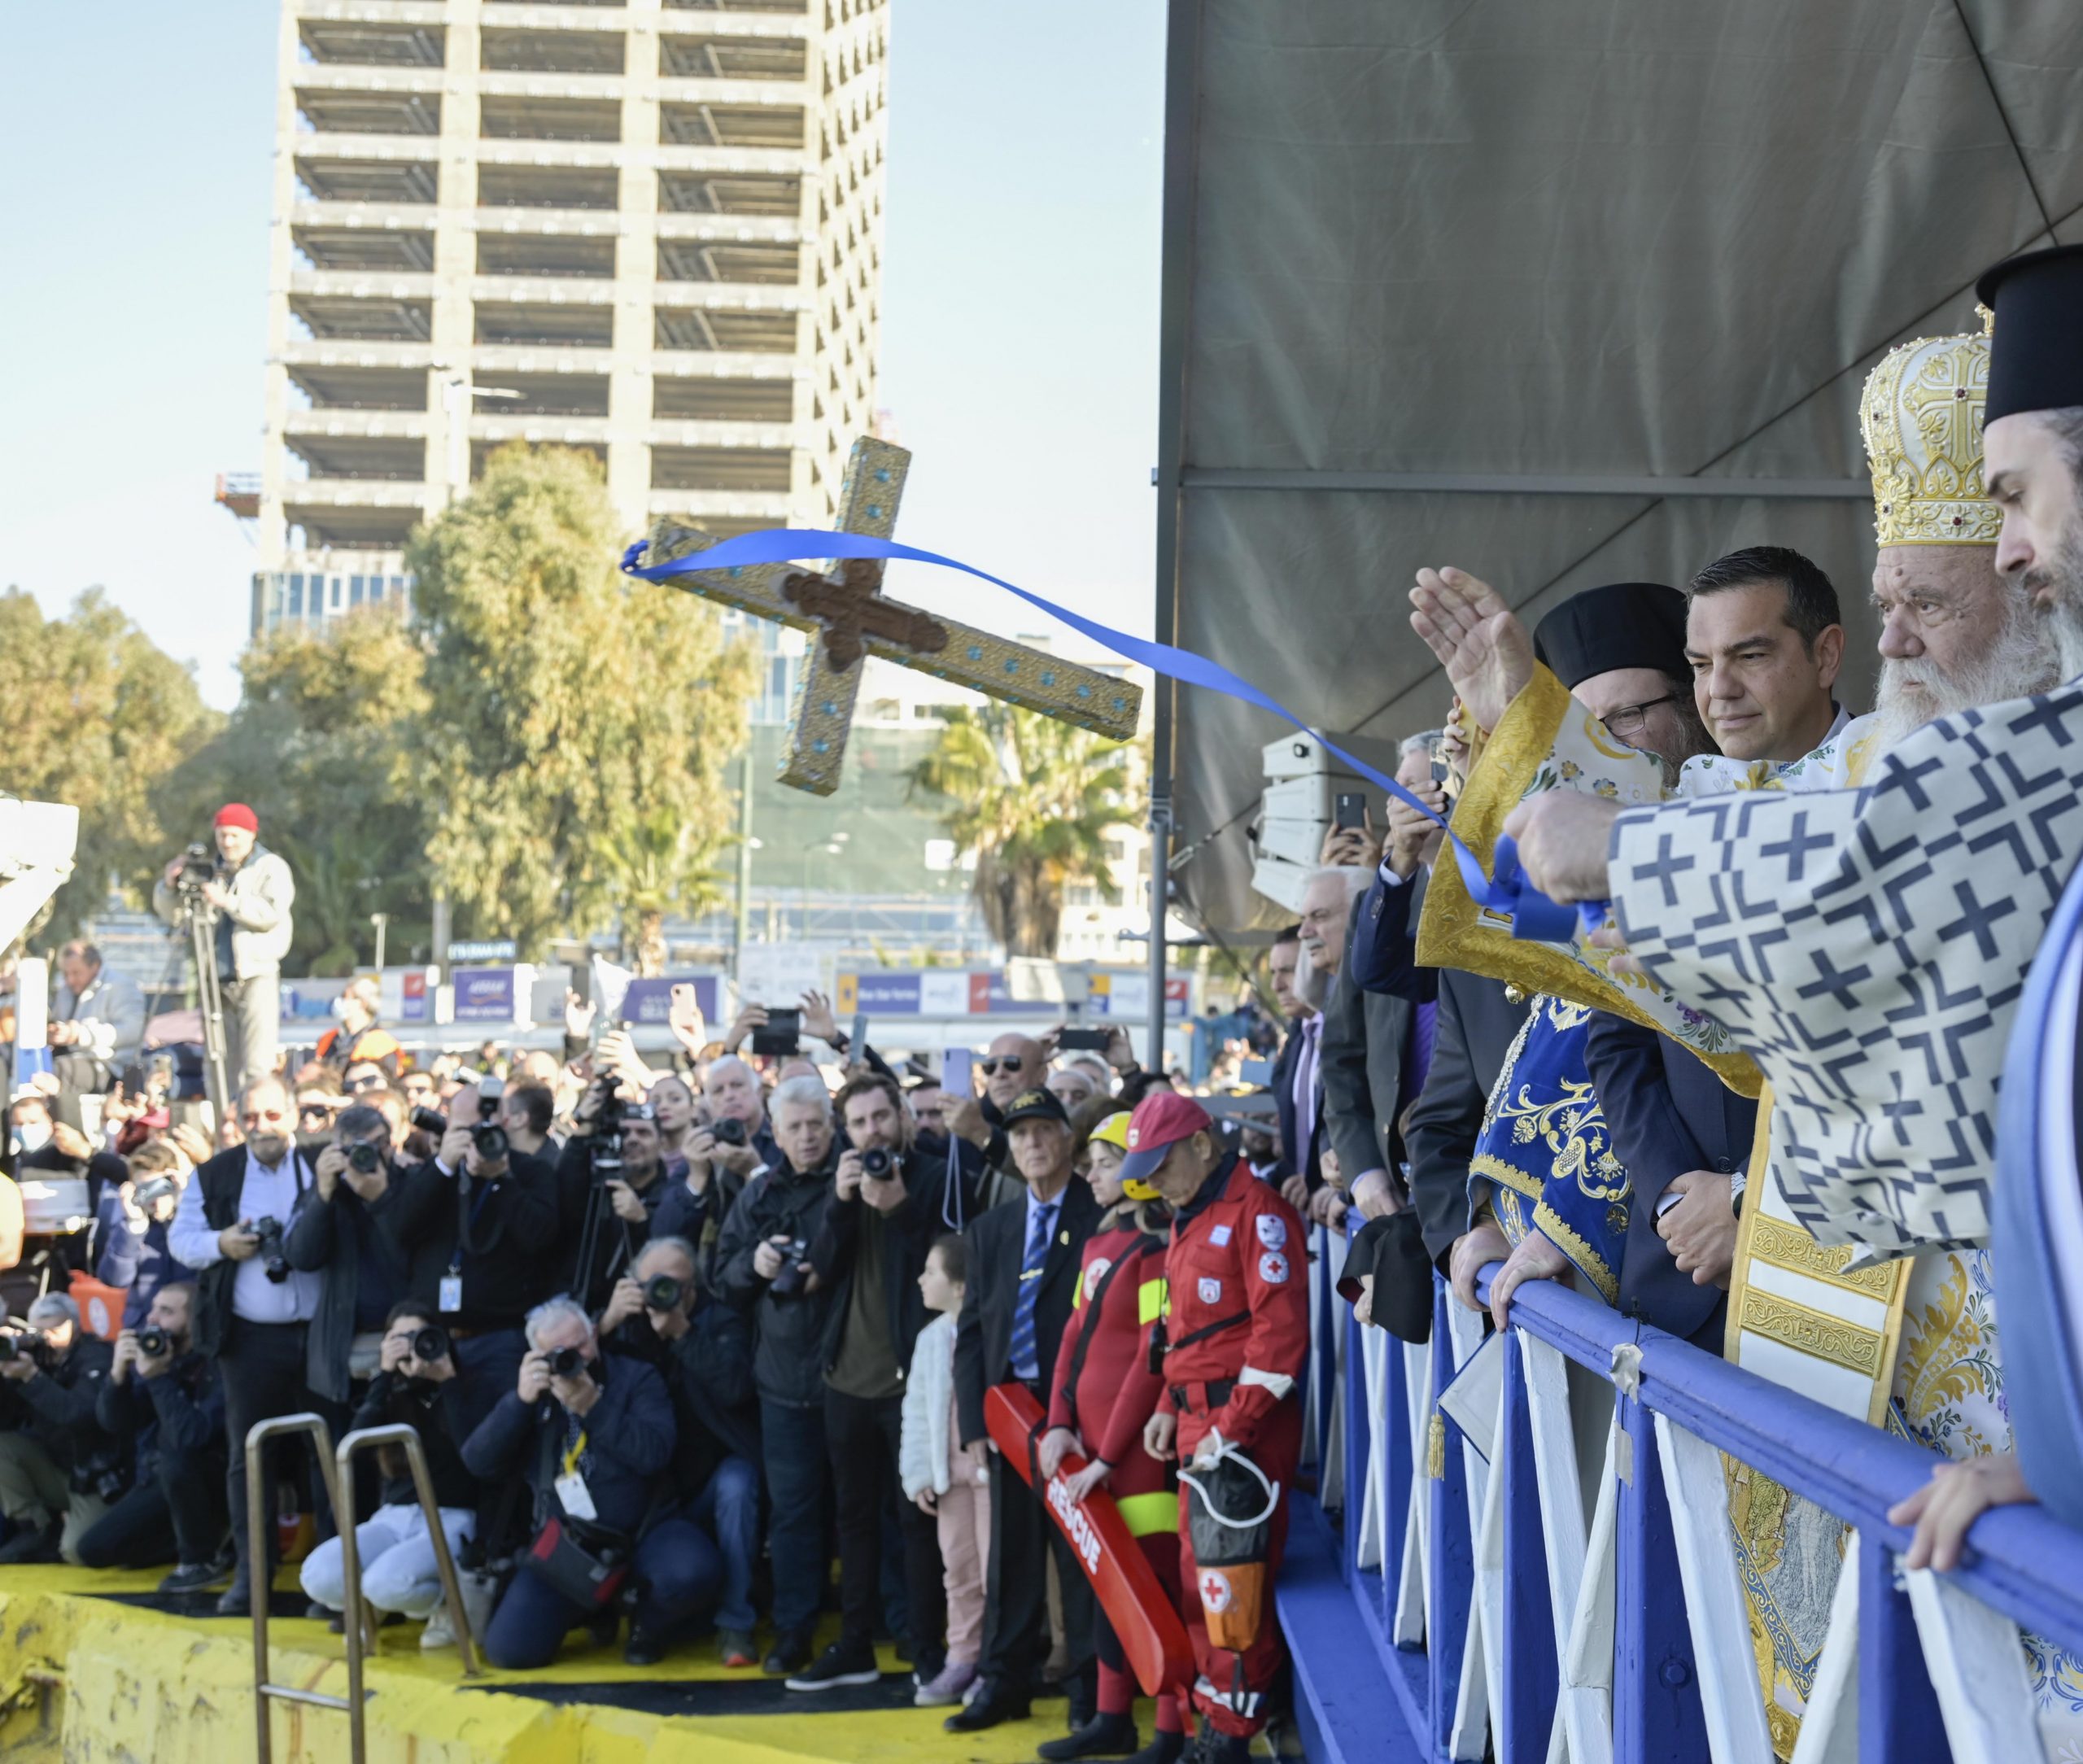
{"x": 1543, "y": 1159}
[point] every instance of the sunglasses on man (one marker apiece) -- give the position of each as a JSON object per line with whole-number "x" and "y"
{"x": 1008, "y": 1063}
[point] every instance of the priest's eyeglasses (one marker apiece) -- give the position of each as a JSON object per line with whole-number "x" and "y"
{"x": 1630, "y": 720}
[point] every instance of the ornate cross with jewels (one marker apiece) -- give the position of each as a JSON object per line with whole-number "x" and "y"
{"x": 849, "y": 618}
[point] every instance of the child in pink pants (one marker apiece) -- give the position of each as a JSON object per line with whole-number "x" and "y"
{"x": 943, "y": 1478}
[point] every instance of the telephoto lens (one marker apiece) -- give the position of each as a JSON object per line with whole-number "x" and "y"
{"x": 566, "y": 1363}
{"x": 365, "y": 1158}
{"x": 877, "y": 1162}
{"x": 13, "y": 1347}
{"x": 789, "y": 1279}
{"x": 428, "y": 1121}
{"x": 729, "y": 1131}
{"x": 151, "y": 1341}
{"x": 430, "y": 1344}
{"x": 663, "y": 1292}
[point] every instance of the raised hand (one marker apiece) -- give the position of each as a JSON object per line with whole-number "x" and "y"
{"x": 1486, "y": 651}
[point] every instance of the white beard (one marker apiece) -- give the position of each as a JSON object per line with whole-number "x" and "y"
{"x": 2021, "y": 661}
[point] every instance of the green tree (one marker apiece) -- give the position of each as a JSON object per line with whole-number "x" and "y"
{"x": 579, "y": 723}
{"x": 1031, "y": 798}
{"x": 98, "y": 716}
{"x": 327, "y": 747}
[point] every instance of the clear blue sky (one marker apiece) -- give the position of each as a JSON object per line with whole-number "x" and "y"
{"x": 1020, "y": 302}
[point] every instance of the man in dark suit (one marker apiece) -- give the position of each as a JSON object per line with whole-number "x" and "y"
{"x": 1023, "y": 1259}
{"x": 1298, "y": 1055}
{"x": 1685, "y": 1138}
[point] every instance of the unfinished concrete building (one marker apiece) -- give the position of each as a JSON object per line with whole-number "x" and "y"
{"x": 648, "y": 229}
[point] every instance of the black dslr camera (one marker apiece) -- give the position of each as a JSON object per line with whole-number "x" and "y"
{"x": 430, "y": 1344}
{"x": 789, "y": 1279}
{"x": 102, "y": 1475}
{"x": 607, "y": 1133}
{"x": 663, "y": 1292}
{"x": 152, "y": 1341}
{"x": 199, "y": 869}
{"x": 486, "y": 1135}
{"x": 566, "y": 1363}
{"x": 274, "y": 1263}
{"x": 365, "y": 1158}
{"x": 877, "y": 1161}
{"x": 729, "y": 1131}
{"x": 17, "y": 1346}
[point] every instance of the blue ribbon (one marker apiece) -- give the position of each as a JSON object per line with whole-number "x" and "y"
{"x": 1533, "y": 916}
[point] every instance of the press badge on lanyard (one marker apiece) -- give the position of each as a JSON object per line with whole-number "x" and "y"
{"x": 572, "y": 1493}
{"x": 451, "y": 1291}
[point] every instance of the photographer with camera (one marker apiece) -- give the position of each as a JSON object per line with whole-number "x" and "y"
{"x": 731, "y": 1091}
{"x": 702, "y": 1348}
{"x": 763, "y": 1266}
{"x": 247, "y": 892}
{"x": 96, "y": 1022}
{"x": 592, "y": 1434}
{"x": 702, "y": 1186}
{"x": 415, "y": 1386}
{"x": 476, "y": 1224}
{"x": 337, "y": 1233}
{"x": 610, "y": 1182}
{"x": 58, "y": 1468}
{"x": 131, "y": 1227}
{"x": 254, "y": 1313}
{"x": 888, "y": 1205}
{"x": 162, "y": 1405}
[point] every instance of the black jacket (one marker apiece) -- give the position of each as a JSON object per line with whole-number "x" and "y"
{"x": 59, "y": 1407}
{"x": 179, "y": 1414}
{"x": 1361, "y": 1059}
{"x": 629, "y": 1442}
{"x": 789, "y": 1330}
{"x": 1300, "y": 1160}
{"x": 983, "y": 1333}
{"x": 698, "y": 1218}
{"x": 1382, "y": 947}
{"x": 708, "y": 1374}
{"x": 430, "y": 1410}
{"x": 1473, "y": 1033}
{"x": 1666, "y": 1113}
{"x": 334, "y": 1239}
{"x": 908, "y": 1234}
{"x": 508, "y": 1232}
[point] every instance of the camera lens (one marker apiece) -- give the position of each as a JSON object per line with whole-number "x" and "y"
{"x": 566, "y": 1362}
{"x": 430, "y": 1344}
{"x": 429, "y": 1122}
{"x": 491, "y": 1142}
{"x": 876, "y": 1161}
{"x": 365, "y": 1158}
{"x": 729, "y": 1131}
{"x": 151, "y": 1342}
{"x": 663, "y": 1292}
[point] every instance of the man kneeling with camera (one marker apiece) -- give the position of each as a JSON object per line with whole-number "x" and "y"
{"x": 703, "y": 1350}
{"x": 59, "y": 1469}
{"x": 591, "y": 1433}
{"x": 415, "y": 1385}
{"x": 162, "y": 1404}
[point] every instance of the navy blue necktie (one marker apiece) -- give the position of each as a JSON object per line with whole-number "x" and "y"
{"x": 1025, "y": 1362}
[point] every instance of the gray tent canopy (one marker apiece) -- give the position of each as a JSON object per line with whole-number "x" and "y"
{"x": 1562, "y": 293}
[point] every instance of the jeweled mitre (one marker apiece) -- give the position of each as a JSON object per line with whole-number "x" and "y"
{"x": 1922, "y": 419}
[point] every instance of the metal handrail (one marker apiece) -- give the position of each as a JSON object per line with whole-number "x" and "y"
{"x": 258, "y": 1508}
{"x": 337, "y": 1468}
{"x": 398, "y": 1433}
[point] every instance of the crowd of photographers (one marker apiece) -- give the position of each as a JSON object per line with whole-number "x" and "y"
{"x": 651, "y": 1328}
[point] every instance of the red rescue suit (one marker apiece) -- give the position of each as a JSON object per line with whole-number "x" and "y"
{"x": 1121, "y": 1293}
{"x": 1238, "y": 1346}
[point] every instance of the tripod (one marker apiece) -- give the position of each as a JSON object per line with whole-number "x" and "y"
{"x": 201, "y": 925}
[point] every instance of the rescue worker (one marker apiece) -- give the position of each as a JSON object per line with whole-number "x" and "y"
{"x": 1104, "y": 1392}
{"x": 1237, "y": 1344}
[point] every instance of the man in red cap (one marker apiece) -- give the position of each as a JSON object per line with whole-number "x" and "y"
{"x": 1236, "y": 1335}
{"x": 249, "y": 898}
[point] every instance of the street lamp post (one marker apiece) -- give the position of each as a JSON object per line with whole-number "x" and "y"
{"x": 456, "y": 395}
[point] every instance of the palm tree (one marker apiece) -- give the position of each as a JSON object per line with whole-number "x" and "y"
{"x": 1031, "y": 798}
{"x": 656, "y": 864}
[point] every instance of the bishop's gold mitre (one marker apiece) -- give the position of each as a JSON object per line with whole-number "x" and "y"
{"x": 1922, "y": 419}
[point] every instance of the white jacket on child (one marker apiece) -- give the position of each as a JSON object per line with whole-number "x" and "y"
{"x": 922, "y": 1451}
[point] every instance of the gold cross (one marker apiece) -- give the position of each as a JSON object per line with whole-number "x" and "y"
{"x": 1949, "y": 417}
{"x": 850, "y": 619}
